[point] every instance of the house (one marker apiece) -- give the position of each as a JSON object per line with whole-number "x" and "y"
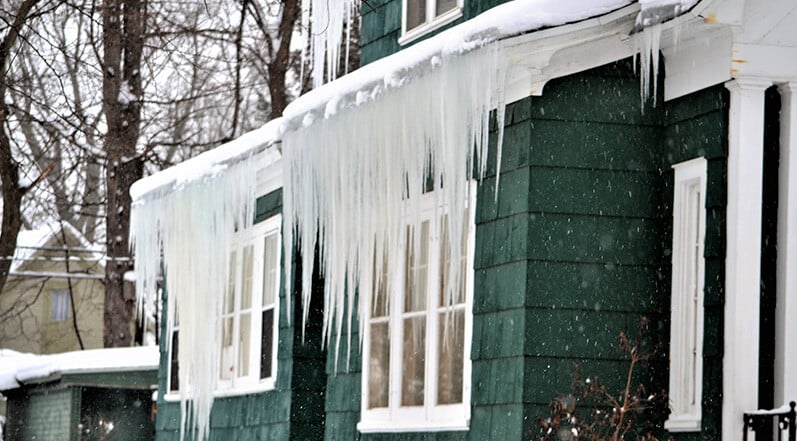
{"x": 493, "y": 197}
{"x": 98, "y": 394}
{"x": 53, "y": 298}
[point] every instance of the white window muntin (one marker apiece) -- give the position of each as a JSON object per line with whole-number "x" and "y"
{"x": 432, "y": 20}
{"x": 240, "y": 372}
{"x": 688, "y": 278}
{"x": 429, "y": 417}
{"x": 257, "y": 237}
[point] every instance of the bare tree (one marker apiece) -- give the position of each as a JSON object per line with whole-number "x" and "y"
{"x": 13, "y": 190}
{"x": 123, "y": 24}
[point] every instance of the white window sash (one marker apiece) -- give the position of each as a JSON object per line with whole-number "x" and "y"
{"x": 429, "y": 417}
{"x": 432, "y": 23}
{"x": 688, "y": 275}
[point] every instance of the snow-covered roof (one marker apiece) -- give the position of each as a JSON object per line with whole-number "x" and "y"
{"x": 504, "y": 21}
{"x": 29, "y": 240}
{"x": 211, "y": 162}
{"x": 19, "y": 368}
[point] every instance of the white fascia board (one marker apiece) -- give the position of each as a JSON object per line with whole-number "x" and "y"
{"x": 702, "y": 58}
{"x": 538, "y": 57}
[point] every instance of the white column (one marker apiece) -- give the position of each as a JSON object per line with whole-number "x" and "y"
{"x": 743, "y": 253}
{"x": 786, "y": 311}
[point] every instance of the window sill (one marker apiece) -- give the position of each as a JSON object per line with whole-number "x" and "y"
{"x": 683, "y": 423}
{"x": 411, "y": 426}
{"x": 439, "y": 22}
{"x": 265, "y": 386}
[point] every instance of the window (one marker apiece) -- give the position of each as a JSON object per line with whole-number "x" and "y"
{"x": 686, "y": 335}
{"x": 59, "y": 307}
{"x": 422, "y": 16}
{"x": 416, "y": 363}
{"x": 248, "y": 356}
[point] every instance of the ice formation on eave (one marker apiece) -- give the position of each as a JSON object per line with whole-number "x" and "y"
{"x": 648, "y": 30}
{"x": 506, "y": 20}
{"x": 348, "y": 176}
{"x": 189, "y": 214}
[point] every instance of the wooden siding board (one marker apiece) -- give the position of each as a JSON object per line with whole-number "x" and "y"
{"x": 555, "y": 285}
{"x": 583, "y": 238}
{"x": 501, "y": 287}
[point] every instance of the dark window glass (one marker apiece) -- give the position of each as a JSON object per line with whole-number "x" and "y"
{"x": 174, "y": 376}
{"x": 416, "y": 13}
{"x": 266, "y": 343}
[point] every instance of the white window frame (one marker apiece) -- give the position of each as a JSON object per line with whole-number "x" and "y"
{"x": 429, "y": 417}
{"x": 60, "y": 302}
{"x": 688, "y": 279}
{"x": 432, "y": 23}
{"x": 255, "y": 236}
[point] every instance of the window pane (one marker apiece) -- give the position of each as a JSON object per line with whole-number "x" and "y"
{"x": 246, "y": 283}
{"x": 416, "y": 13}
{"x": 245, "y": 343}
{"x": 444, "y": 6}
{"x": 413, "y": 361}
{"x": 59, "y": 306}
{"x": 380, "y": 297}
{"x": 417, "y": 270}
{"x": 174, "y": 375}
{"x": 451, "y": 349}
{"x": 270, "y": 270}
{"x": 229, "y": 297}
{"x": 227, "y": 364}
{"x": 445, "y": 261}
{"x": 266, "y": 343}
{"x": 379, "y": 366}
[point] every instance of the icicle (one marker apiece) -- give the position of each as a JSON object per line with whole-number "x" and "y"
{"x": 648, "y": 44}
{"x": 323, "y": 28}
{"x": 349, "y": 175}
{"x": 193, "y": 226}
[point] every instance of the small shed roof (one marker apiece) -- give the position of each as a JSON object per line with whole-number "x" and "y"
{"x": 17, "y": 368}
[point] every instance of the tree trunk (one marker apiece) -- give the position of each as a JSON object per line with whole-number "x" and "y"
{"x": 123, "y": 42}
{"x": 13, "y": 190}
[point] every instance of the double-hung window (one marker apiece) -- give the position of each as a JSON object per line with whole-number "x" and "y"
{"x": 59, "y": 306}
{"x": 416, "y": 360}
{"x": 686, "y": 335}
{"x": 249, "y": 319}
{"x": 422, "y": 16}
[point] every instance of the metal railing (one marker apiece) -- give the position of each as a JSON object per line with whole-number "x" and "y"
{"x": 761, "y": 423}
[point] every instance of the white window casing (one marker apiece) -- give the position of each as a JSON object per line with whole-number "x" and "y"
{"x": 415, "y": 394}
{"x": 420, "y": 17}
{"x": 250, "y": 316}
{"x": 688, "y": 276}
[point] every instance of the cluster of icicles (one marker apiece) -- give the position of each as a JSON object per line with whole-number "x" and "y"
{"x": 191, "y": 226}
{"x": 352, "y": 179}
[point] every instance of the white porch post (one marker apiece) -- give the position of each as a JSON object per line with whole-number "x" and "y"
{"x": 786, "y": 311}
{"x": 743, "y": 253}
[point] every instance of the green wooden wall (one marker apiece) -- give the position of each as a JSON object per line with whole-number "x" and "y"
{"x": 294, "y": 410}
{"x": 575, "y": 250}
{"x": 43, "y": 414}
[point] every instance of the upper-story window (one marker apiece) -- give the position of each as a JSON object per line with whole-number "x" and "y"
{"x": 249, "y": 324}
{"x": 422, "y": 16}
{"x": 416, "y": 362}
{"x": 59, "y": 306}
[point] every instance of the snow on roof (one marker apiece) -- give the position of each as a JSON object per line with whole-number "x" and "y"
{"x": 29, "y": 240}
{"x": 209, "y": 163}
{"x": 503, "y": 21}
{"x": 20, "y": 368}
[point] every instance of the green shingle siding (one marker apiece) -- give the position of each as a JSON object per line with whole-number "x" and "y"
{"x": 576, "y": 249}
{"x": 43, "y": 414}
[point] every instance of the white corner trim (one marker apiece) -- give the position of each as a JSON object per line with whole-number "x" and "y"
{"x": 785, "y": 324}
{"x": 743, "y": 252}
